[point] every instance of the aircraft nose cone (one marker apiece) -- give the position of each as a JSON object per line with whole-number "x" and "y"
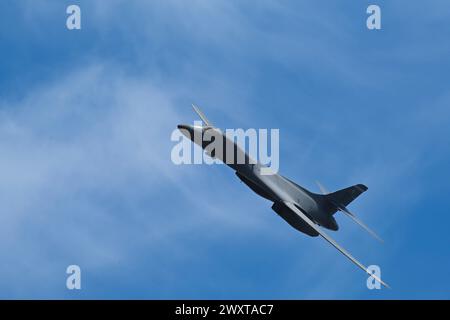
{"x": 186, "y": 130}
{"x": 182, "y": 126}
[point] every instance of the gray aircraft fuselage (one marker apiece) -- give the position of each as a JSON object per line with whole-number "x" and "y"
{"x": 302, "y": 209}
{"x": 273, "y": 187}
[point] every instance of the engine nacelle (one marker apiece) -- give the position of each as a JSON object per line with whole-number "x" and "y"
{"x": 293, "y": 219}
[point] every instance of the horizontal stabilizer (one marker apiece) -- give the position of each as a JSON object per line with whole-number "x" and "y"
{"x": 362, "y": 224}
{"x": 342, "y": 198}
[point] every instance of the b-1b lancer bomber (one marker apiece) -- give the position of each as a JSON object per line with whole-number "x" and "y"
{"x": 304, "y": 210}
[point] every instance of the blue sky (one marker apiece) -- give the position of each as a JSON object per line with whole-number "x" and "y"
{"x": 85, "y": 124}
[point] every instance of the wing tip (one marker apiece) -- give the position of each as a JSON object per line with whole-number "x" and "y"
{"x": 378, "y": 279}
{"x": 385, "y": 284}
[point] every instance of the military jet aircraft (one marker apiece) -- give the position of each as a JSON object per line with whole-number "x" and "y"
{"x": 302, "y": 209}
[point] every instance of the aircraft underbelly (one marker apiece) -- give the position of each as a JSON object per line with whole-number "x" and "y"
{"x": 256, "y": 188}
